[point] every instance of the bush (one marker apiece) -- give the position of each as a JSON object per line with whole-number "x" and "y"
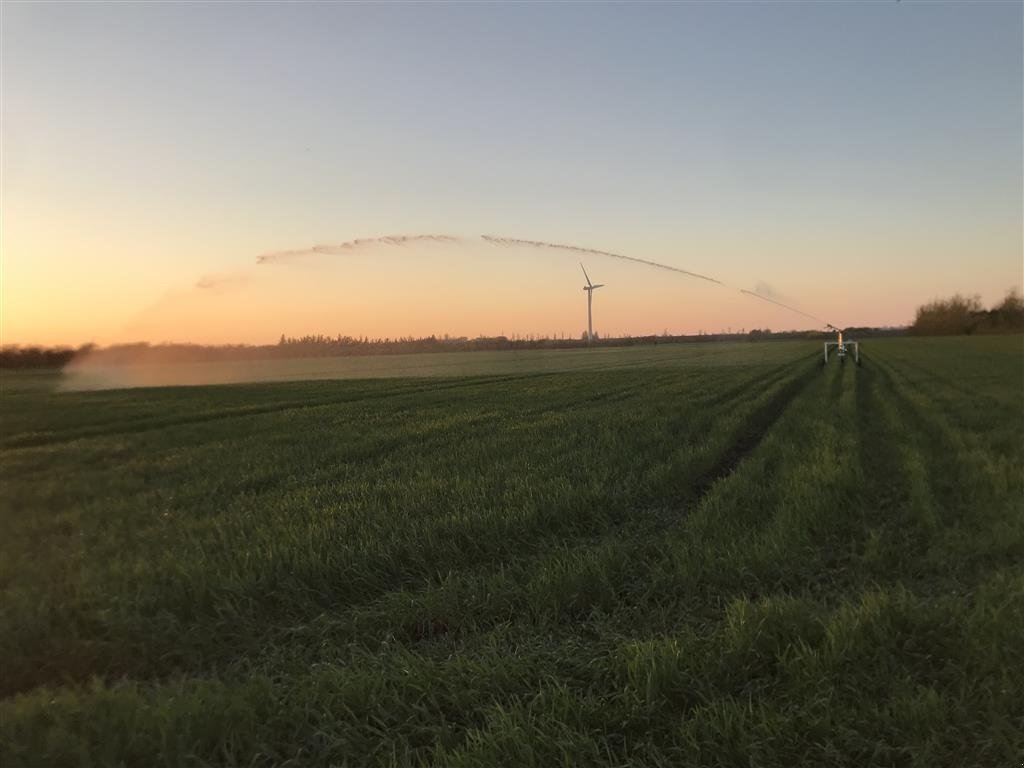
{"x": 965, "y": 315}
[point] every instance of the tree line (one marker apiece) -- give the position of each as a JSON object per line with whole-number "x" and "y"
{"x": 318, "y": 345}
{"x": 956, "y": 315}
{"x": 959, "y": 315}
{"x": 13, "y": 356}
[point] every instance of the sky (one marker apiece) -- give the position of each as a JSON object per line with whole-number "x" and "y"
{"x": 853, "y": 160}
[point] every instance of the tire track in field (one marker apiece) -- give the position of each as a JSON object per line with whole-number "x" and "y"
{"x": 898, "y": 451}
{"x": 371, "y": 622}
{"x": 747, "y": 440}
{"x": 33, "y": 440}
{"x": 440, "y": 435}
{"x": 937, "y": 411}
{"x": 940, "y": 380}
{"x": 622, "y": 534}
{"x": 944, "y": 481}
{"x": 647, "y": 522}
{"x": 419, "y": 386}
{"x": 892, "y": 484}
{"x": 438, "y": 384}
{"x": 372, "y": 618}
{"x": 661, "y": 378}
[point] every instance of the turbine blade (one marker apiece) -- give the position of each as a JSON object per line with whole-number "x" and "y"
{"x": 585, "y": 273}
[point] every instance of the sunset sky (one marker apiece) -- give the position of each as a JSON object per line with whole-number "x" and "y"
{"x": 853, "y": 159}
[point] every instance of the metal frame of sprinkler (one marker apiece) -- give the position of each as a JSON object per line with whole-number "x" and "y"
{"x": 842, "y": 347}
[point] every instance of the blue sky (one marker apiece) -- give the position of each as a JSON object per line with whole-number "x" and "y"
{"x": 863, "y": 156}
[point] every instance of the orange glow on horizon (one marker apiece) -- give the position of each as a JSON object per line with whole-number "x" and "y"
{"x": 459, "y": 290}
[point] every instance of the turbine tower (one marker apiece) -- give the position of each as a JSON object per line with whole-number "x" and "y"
{"x": 590, "y": 288}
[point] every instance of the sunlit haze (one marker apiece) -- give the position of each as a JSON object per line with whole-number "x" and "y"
{"x": 853, "y": 160}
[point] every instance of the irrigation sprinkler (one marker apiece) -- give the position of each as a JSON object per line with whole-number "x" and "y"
{"x": 842, "y": 348}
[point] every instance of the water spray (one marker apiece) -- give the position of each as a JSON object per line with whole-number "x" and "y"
{"x": 785, "y": 306}
{"x": 352, "y": 245}
{"x": 842, "y": 348}
{"x": 840, "y": 345}
{"x": 594, "y": 252}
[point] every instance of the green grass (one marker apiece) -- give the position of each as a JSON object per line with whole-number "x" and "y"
{"x": 92, "y": 375}
{"x": 695, "y": 555}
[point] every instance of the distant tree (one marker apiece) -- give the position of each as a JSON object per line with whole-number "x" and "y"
{"x": 953, "y": 316}
{"x": 966, "y": 315}
{"x": 13, "y": 356}
{"x": 1009, "y": 313}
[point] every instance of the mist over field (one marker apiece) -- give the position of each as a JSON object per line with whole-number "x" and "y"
{"x": 153, "y": 367}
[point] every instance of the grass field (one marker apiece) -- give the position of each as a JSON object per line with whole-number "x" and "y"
{"x": 445, "y": 364}
{"x": 717, "y": 555}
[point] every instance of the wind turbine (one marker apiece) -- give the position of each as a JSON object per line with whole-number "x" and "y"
{"x": 590, "y": 288}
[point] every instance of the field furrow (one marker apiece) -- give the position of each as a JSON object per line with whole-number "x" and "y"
{"x": 639, "y": 564}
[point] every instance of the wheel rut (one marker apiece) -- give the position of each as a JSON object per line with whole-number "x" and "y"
{"x": 753, "y": 432}
{"x": 645, "y": 523}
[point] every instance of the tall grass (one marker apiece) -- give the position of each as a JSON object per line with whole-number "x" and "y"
{"x": 652, "y": 565}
